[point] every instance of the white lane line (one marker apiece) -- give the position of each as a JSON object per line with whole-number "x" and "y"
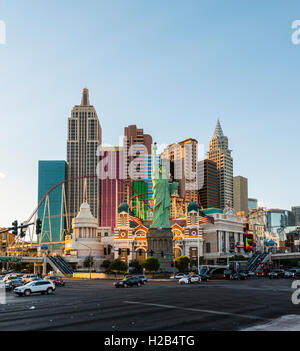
{"x": 197, "y": 310}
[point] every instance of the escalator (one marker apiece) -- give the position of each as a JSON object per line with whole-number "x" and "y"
{"x": 60, "y": 264}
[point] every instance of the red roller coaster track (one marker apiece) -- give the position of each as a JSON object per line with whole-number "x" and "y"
{"x": 137, "y": 194}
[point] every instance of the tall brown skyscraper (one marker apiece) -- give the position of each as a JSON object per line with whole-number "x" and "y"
{"x": 137, "y": 153}
{"x": 184, "y": 156}
{"x": 84, "y": 137}
{"x": 221, "y": 155}
{"x": 208, "y": 184}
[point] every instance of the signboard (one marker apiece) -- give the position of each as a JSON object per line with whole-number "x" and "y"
{"x": 10, "y": 259}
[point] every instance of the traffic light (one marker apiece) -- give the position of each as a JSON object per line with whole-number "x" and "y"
{"x": 120, "y": 252}
{"x": 22, "y": 233}
{"x": 38, "y": 226}
{"x": 162, "y": 254}
{"x": 172, "y": 264}
{"x": 15, "y": 227}
{"x": 128, "y": 252}
{"x": 151, "y": 253}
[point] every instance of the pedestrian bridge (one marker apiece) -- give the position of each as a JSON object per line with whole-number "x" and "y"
{"x": 285, "y": 256}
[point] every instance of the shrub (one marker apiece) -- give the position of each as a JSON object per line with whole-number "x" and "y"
{"x": 151, "y": 264}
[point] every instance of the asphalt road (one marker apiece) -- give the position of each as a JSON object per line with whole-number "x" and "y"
{"x": 157, "y": 306}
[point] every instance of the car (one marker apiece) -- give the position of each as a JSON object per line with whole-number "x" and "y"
{"x": 217, "y": 273}
{"x": 29, "y": 277}
{"x": 40, "y": 286}
{"x": 126, "y": 282}
{"x": 228, "y": 273}
{"x": 14, "y": 283}
{"x": 251, "y": 274}
{"x": 179, "y": 276}
{"x": 9, "y": 277}
{"x": 6, "y": 285}
{"x": 240, "y": 276}
{"x": 190, "y": 279}
{"x": 142, "y": 277}
{"x": 57, "y": 281}
{"x": 292, "y": 273}
{"x": 260, "y": 272}
{"x": 276, "y": 273}
{"x": 2, "y": 277}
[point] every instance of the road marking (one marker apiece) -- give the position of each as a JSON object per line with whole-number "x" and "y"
{"x": 197, "y": 310}
{"x": 283, "y": 323}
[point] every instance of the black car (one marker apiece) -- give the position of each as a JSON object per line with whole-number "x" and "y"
{"x": 276, "y": 273}
{"x": 228, "y": 273}
{"x": 240, "y": 276}
{"x": 133, "y": 281}
{"x": 217, "y": 273}
{"x": 57, "y": 281}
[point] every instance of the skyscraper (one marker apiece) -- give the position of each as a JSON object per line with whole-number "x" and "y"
{"x": 240, "y": 194}
{"x": 252, "y": 204}
{"x": 52, "y": 211}
{"x": 112, "y": 190}
{"x": 208, "y": 184}
{"x": 221, "y": 155}
{"x": 137, "y": 156}
{"x": 296, "y": 211}
{"x": 184, "y": 158}
{"x": 84, "y": 137}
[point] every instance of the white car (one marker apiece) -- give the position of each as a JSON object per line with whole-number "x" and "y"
{"x": 27, "y": 278}
{"x": 40, "y": 286}
{"x": 190, "y": 279}
{"x": 179, "y": 276}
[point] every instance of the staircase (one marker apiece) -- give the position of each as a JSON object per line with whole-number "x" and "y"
{"x": 59, "y": 264}
{"x": 255, "y": 261}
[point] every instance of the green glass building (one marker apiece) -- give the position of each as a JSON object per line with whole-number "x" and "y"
{"x": 51, "y": 173}
{"x": 140, "y": 209}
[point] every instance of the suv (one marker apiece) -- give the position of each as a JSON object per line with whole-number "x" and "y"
{"x": 40, "y": 286}
{"x": 128, "y": 282}
{"x": 142, "y": 277}
{"x": 292, "y": 273}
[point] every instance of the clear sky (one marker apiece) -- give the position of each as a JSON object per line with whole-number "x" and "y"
{"x": 171, "y": 67}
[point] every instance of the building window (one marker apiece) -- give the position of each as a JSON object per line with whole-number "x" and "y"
{"x": 207, "y": 247}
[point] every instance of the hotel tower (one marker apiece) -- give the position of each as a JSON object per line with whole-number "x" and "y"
{"x": 84, "y": 137}
{"x": 221, "y": 155}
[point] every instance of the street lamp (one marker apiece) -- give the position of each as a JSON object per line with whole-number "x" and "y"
{"x": 89, "y": 256}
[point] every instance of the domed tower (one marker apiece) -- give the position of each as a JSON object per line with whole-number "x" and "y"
{"x": 193, "y": 238}
{"x": 85, "y": 238}
{"x": 193, "y": 214}
{"x": 123, "y": 235}
{"x": 123, "y": 215}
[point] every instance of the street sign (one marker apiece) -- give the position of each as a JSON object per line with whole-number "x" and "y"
{"x": 10, "y": 259}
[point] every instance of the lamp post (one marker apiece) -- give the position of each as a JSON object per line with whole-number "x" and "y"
{"x": 89, "y": 256}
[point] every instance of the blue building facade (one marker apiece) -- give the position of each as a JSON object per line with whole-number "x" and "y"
{"x": 51, "y": 173}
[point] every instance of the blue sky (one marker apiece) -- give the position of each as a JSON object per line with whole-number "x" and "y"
{"x": 171, "y": 67}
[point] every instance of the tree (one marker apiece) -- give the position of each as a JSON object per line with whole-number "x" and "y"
{"x": 118, "y": 266}
{"x": 136, "y": 264}
{"x": 151, "y": 264}
{"x": 238, "y": 258}
{"x": 106, "y": 264}
{"x": 182, "y": 263}
{"x": 88, "y": 262}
